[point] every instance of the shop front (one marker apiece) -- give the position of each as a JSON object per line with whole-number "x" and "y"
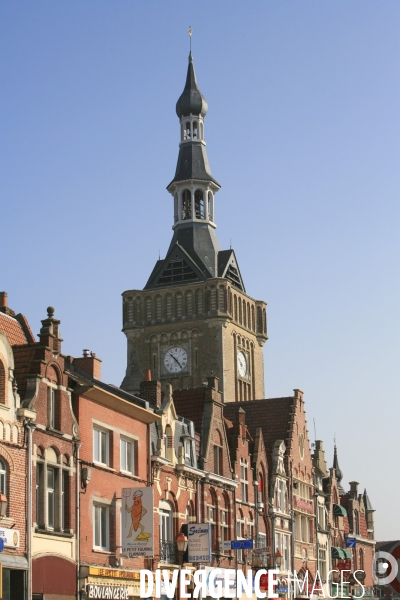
{"x": 100, "y": 582}
{"x": 14, "y": 567}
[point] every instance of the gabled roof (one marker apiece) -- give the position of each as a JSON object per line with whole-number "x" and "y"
{"x": 229, "y": 269}
{"x": 178, "y": 267}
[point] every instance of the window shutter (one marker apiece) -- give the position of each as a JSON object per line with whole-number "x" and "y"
{"x": 136, "y": 457}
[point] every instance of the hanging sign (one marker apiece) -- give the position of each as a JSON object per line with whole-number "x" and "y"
{"x": 137, "y": 521}
{"x": 199, "y": 542}
{"x": 351, "y": 542}
{"x": 10, "y": 537}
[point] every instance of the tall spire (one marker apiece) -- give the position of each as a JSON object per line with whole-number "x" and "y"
{"x": 191, "y": 101}
{"x": 339, "y": 474}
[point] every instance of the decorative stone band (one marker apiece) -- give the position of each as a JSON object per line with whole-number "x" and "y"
{"x": 303, "y": 504}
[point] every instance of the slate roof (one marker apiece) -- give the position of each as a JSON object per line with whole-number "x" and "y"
{"x": 190, "y": 404}
{"x": 191, "y": 101}
{"x": 13, "y": 330}
{"x": 193, "y": 164}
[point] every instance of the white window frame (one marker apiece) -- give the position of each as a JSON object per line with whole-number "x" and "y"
{"x": 97, "y": 508}
{"x": 131, "y": 442}
{"x": 101, "y": 430}
{"x": 3, "y": 477}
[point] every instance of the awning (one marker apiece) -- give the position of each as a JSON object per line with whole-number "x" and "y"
{"x": 337, "y": 553}
{"x": 347, "y": 553}
{"x": 339, "y": 511}
{"x": 13, "y": 562}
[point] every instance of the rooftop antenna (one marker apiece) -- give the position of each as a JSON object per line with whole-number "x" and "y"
{"x": 190, "y": 31}
{"x": 315, "y": 431}
{"x": 159, "y": 255}
{"x": 230, "y": 243}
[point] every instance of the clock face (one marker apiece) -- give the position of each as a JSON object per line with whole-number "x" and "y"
{"x": 241, "y": 364}
{"x": 175, "y": 360}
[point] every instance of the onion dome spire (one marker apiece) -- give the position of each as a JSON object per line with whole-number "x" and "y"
{"x": 191, "y": 101}
{"x": 339, "y": 474}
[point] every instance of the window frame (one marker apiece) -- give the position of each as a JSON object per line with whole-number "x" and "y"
{"x": 3, "y": 477}
{"x": 97, "y": 509}
{"x": 131, "y": 442}
{"x": 102, "y": 430}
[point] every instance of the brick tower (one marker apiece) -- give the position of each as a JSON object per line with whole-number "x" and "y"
{"x": 194, "y": 318}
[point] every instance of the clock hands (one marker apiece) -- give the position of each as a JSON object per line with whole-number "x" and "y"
{"x": 176, "y": 360}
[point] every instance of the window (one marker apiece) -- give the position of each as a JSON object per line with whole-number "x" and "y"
{"x": 39, "y": 472}
{"x": 186, "y": 205}
{"x": 101, "y": 526}
{"x": 285, "y": 552}
{"x": 321, "y": 516}
{"x": 322, "y": 563}
{"x": 224, "y": 525}
{"x": 3, "y": 386}
{"x": 187, "y": 131}
{"x": 50, "y": 497}
{"x": 250, "y": 527}
{"x": 101, "y": 446}
{"x": 218, "y": 460}
{"x": 281, "y": 496}
{"x": 301, "y": 446}
{"x": 3, "y": 478}
{"x": 243, "y": 480}
{"x": 53, "y": 409}
{"x": 195, "y": 130}
{"x": 199, "y": 204}
{"x": 356, "y": 526}
{"x": 129, "y": 449}
{"x": 240, "y": 534}
{"x": 64, "y": 499}
{"x": 210, "y": 206}
{"x": 166, "y": 521}
{"x": 188, "y": 452}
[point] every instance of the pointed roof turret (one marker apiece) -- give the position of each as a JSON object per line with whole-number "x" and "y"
{"x": 367, "y": 501}
{"x": 339, "y": 474}
{"x": 191, "y": 101}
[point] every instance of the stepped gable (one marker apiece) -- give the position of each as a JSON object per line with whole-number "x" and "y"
{"x": 274, "y": 416}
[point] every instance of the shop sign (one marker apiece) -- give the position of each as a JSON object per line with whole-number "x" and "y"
{"x": 351, "y": 542}
{"x": 111, "y": 592}
{"x": 10, "y": 537}
{"x": 137, "y": 521}
{"x": 114, "y": 573}
{"x": 199, "y": 542}
{"x": 303, "y": 504}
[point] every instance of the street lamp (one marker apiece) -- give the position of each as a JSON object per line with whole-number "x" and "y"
{"x": 278, "y": 559}
{"x": 181, "y": 543}
{"x": 3, "y": 505}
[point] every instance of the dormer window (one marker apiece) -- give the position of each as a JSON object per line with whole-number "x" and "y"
{"x": 199, "y": 204}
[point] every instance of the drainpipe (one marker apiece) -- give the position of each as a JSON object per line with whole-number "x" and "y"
{"x": 30, "y": 427}
{"x": 78, "y": 513}
{"x": 316, "y": 506}
{"x": 292, "y": 515}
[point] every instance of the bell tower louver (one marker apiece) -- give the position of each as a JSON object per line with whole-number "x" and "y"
{"x": 193, "y": 318}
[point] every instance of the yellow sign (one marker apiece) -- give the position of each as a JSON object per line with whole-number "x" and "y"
{"x": 115, "y": 574}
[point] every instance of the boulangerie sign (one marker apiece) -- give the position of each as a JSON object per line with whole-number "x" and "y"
{"x": 137, "y": 521}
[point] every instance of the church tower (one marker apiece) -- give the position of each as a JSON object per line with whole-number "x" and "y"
{"x": 193, "y": 319}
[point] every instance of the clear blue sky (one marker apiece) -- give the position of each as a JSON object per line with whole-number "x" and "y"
{"x": 302, "y": 132}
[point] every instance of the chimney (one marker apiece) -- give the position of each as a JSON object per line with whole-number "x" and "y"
{"x": 89, "y": 363}
{"x": 4, "y": 305}
{"x": 354, "y": 489}
{"x": 151, "y": 391}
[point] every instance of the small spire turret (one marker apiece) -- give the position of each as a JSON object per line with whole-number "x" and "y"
{"x": 339, "y": 474}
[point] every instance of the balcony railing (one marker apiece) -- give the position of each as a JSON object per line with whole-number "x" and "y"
{"x": 168, "y": 552}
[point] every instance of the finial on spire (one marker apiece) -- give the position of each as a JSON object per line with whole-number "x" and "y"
{"x": 190, "y": 31}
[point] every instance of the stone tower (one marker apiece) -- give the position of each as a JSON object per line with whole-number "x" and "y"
{"x": 194, "y": 319}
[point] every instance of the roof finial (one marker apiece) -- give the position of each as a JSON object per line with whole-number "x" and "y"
{"x": 190, "y": 31}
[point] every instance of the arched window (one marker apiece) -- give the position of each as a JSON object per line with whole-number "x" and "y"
{"x": 158, "y": 308}
{"x": 186, "y": 205}
{"x": 168, "y": 442}
{"x": 3, "y": 477}
{"x": 175, "y": 208}
{"x": 178, "y": 305}
{"x": 2, "y": 383}
{"x": 244, "y": 314}
{"x": 168, "y": 306}
{"x": 361, "y": 559}
{"x": 189, "y": 304}
{"x": 248, "y": 316}
{"x": 54, "y": 408}
{"x": 235, "y": 307}
{"x": 356, "y": 527}
{"x": 210, "y": 206}
{"x": 199, "y": 204}
{"x": 240, "y": 311}
{"x": 166, "y": 519}
{"x": 224, "y": 519}
{"x": 253, "y": 325}
{"x": 188, "y": 135}
{"x": 199, "y": 302}
{"x": 195, "y": 130}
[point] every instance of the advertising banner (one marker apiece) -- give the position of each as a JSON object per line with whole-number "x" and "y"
{"x": 10, "y": 537}
{"x": 137, "y": 521}
{"x": 199, "y": 542}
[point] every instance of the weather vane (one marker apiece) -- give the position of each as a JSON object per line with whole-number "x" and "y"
{"x": 190, "y": 31}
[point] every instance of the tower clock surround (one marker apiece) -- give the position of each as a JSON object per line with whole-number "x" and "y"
{"x": 194, "y": 319}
